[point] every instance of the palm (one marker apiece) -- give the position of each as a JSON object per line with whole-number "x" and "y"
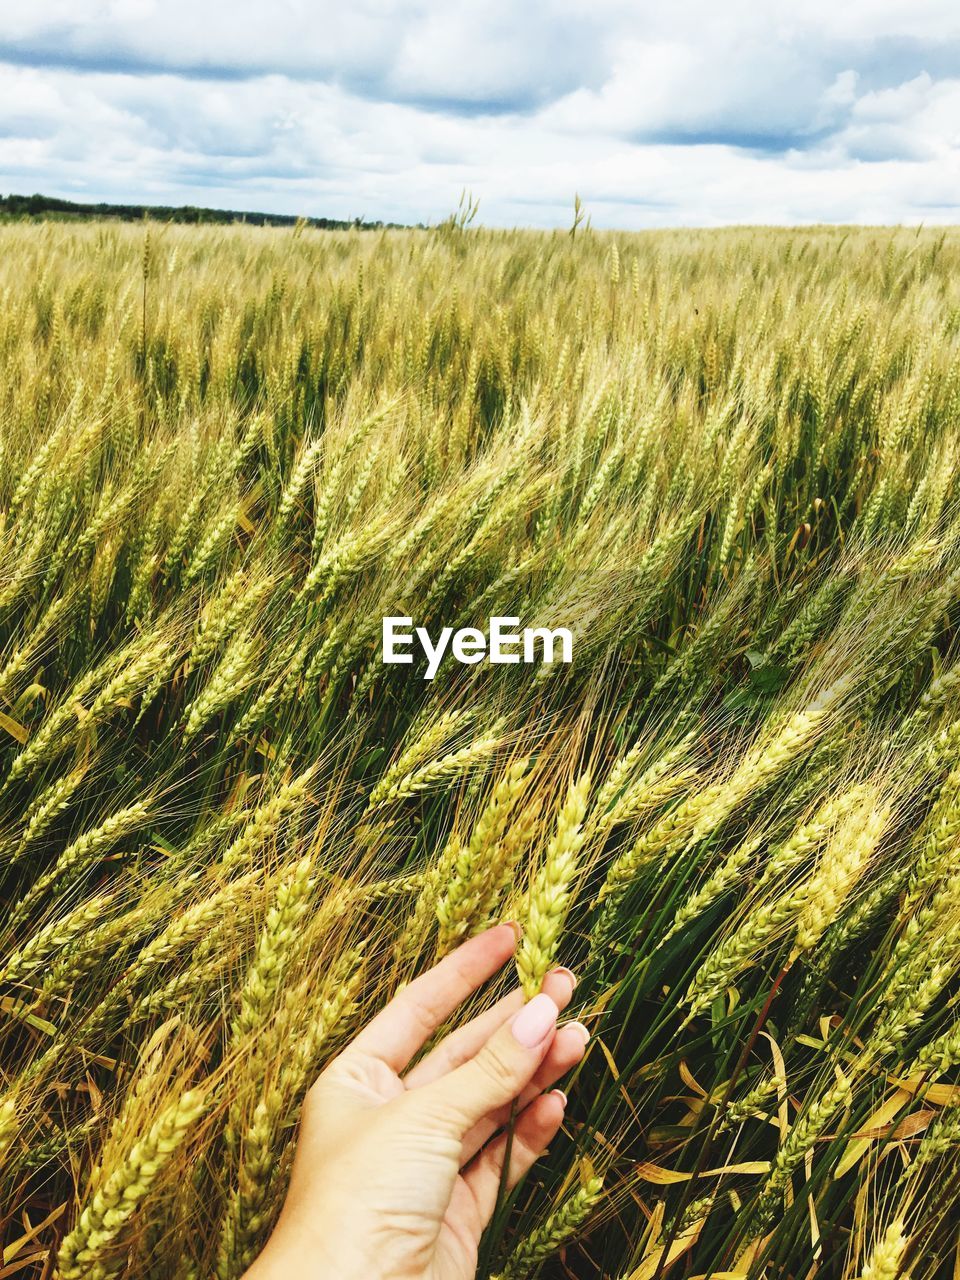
{"x": 457, "y": 1234}
{"x": 459, "y": 1238}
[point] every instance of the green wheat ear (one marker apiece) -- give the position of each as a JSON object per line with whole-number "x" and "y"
{"x": 886, "y": 1255}
{"x": 554, "y": 1232}
{"x": 123, "y": 1189}
{"x": 551, "y": 890}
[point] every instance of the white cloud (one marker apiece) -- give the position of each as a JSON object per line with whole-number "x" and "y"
{"x": 693, "y": 113}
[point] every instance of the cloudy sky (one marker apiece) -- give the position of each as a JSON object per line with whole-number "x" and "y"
{"x": 692, "y": 112}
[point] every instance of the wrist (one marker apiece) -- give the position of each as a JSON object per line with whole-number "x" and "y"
{"x": 290, "y": 1256}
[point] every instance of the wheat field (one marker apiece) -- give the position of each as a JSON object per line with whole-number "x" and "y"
{"x": 728, "y": 462}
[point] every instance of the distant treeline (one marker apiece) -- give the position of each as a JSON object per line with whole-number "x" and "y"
{"x": 40, "y": 206}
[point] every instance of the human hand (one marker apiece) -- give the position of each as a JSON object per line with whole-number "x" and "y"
{"x": 396, "y": 1176}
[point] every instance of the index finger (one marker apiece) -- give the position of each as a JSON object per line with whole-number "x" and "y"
{"x": 401, "y": 1029}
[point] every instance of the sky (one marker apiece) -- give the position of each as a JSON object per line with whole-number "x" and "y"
{"x": 685, "y": 113}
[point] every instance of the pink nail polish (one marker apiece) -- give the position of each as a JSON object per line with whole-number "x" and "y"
{"x": 582, "y": 1030}
{"x": 535, "y": 1021}
{"x": 567, "y": 973}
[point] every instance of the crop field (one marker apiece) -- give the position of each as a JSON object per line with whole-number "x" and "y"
{"x": 728, "y": 463}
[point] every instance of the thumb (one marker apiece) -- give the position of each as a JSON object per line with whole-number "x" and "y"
{"x": 498, "y": 1073}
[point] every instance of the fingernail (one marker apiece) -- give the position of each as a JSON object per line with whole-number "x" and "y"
{"x": 512, "y": 924}
{"x": 558, "y": 1093}
{"x": 567, "y": 973}
{"x": 535, "y": 1021}
{"x": 581, "y": 1028}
